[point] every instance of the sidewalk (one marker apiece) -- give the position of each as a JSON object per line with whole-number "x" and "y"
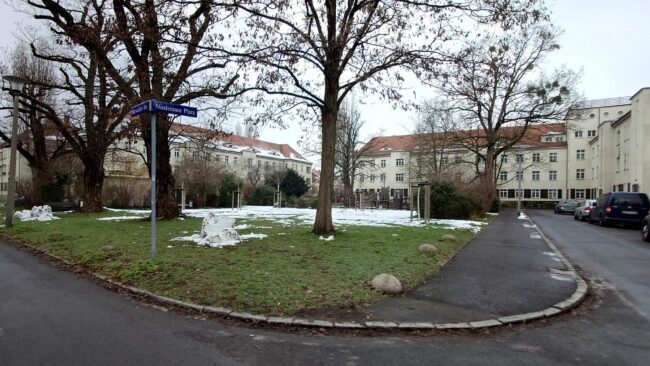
{"x": 502, "y": 272}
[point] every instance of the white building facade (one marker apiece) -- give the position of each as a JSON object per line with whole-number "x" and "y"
{"x": 603, "y": 147}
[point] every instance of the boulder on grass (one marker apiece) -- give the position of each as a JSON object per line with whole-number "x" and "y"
{"x": 449, "y": 238}
{"x": 219, "y": 230}
{"x": 429, "y": 249}
{"x": 386, "y": 283}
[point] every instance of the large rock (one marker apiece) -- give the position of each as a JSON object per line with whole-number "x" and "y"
{"x": 37, "y": 213}
{"x": 219, "y": 230}
{"x": 428, "y": 249}
{"x": 386, "y": 283}
{"x": 449, "y": 238}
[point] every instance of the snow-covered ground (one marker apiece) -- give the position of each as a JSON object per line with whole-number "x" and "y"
{"x": 341, "y": 216}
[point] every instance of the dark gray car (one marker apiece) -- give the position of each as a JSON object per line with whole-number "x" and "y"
{"x": 566, "y": 206}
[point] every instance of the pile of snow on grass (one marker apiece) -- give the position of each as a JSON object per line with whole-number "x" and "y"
{"x": 37, "y": 213}
{"x": 340, "y": 216}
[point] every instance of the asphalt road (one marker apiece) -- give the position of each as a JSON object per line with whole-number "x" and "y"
{"x": 53, "y": 317}
{"x": 616, "y": 254}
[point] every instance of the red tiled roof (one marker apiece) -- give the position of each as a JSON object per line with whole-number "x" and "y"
{"x": 532, "y": 137}
{"x": 189, "y": 130}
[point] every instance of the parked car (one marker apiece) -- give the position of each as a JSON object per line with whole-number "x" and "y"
{"x": 566, "y": 206}
{"x": 645, "y": 229}
{"x": 626, "y": 208}
{"x": 582, "y": 212}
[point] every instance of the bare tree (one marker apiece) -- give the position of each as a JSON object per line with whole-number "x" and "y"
{"x": 350, "y": 148}
{"x": 435, "y": 132}
{"x": 274, "y": 177}
{"x": 200, "y": 173}
{"x": 495, "y": 83}
{"x": 350, "y": 44}
{"x": 158, "y": 55}
{"x": 39, "y": 142}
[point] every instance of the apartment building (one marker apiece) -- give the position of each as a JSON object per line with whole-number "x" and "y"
{"x": 236, "y": 154}
{"x": 603, "y": 146}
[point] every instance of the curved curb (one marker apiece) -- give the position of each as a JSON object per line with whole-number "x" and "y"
{"x": 572, "y": 301}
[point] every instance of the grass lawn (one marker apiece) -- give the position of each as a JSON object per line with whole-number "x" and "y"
{"x": 289, "y": 271}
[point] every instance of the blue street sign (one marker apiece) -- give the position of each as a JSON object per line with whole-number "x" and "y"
{"x": 139, "y": 109}
{"x": 158, "y": 106}
{"x": 172, "y": 108}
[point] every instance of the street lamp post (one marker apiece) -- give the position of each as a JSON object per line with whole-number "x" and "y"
{"x": 16, "y": 84}
{"x": 520, "y": 177}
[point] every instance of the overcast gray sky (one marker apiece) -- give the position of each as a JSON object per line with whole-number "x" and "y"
{"x": 608, "y": 40}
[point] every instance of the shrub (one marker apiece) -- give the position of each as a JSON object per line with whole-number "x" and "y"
{"x": 262, "y": 196}
{"x": 229, "y": 184}
{"x": 446, "y": 203}
{"x": 496, "y": 205}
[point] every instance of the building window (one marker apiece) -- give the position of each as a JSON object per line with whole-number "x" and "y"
{"x": 580, "y": 155}
{"x": 519, "y": 193}
{"x": 177, "y": 153}
{"x": 503, "y": 176}
{"x": 372, "y": 178}
{"x": 536, "y": 158}
{"x": 399, "y": 177}
{"x": 578, "y": 134}
{"x": 559, "y": 139}
{"x": 552, "y": 175}
{"x": 552, "y": 157}
{"x": 591, "y": 133}
{"x": 504, "y": 158}
{"x": 534, "y": 193}
{"x": 552, "y": 194}
{"x": 382, "y": 178}
{"x": 606, "y": 114}
{"x": 520, "y": 158}
{"x": 535, "y": 175}
{"x": 372, "y": 163}
{"x": 580, "y": 174}
{"x": 361, "y": 178}
{"x": 519, "y": 175}
{"x": 399, "y": 162}
{"x": 226, "y": 159}
{"x": 580, "y": 193}
{"x": 444, "y": 160}
{"x": 548, "y": 139}
{"x": 592, "y": 115}
{"x": 383, "y": 163}
{"x": 503, "y": 193}
{"x": 308, "y": 169}
{"x": 308, "y": 180}
{"x": 195, "y": 154}
{"x": 250, "y": 162}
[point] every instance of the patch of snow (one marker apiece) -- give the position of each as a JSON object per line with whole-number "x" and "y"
{"x": 37, "y": 213}
{"x": 340, "y": 216}
{"x": 329, "y": 238}
{"x": 120, "y": 218}
{"x": 492, "y": 213}
{"x": 522, "y": 216}
{"x": 253, "y": 236}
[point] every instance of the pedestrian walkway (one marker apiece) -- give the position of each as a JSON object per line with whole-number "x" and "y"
{"x": 504, "y": 271}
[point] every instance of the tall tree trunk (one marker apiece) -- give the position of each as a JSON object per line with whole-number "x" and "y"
{"x": 93, "y": 183}
{"x": 487, "y": 179}
{"x": 323, "y": 223}
{"x": 166, "y": 208}
{"x": 41, "y": 176}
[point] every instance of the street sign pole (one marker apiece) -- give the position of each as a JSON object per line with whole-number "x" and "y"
{"x": 155, "y": 106}
{"x": 153, "y": 184}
